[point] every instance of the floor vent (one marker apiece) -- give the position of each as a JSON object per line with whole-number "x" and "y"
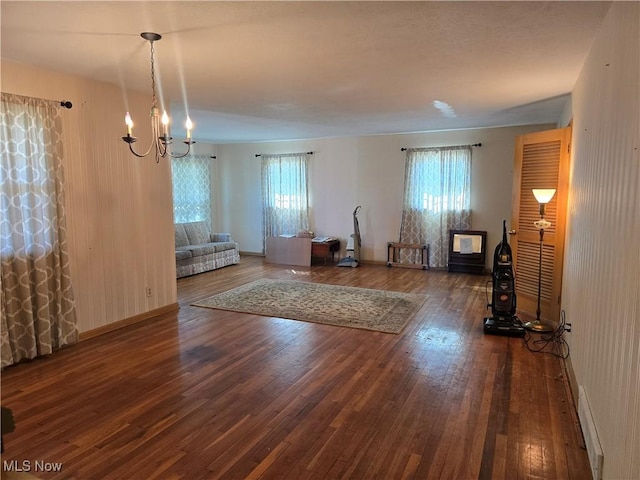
{"x": 594, "y": 450}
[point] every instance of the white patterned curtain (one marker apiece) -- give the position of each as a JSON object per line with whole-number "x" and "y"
{"x": 285, "y": 199}
{"x": 192, "y": 189}
{"x": 437, "y": 190}
{"x": 37, "y": 305}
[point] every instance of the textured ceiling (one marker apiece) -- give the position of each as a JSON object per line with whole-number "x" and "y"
{"x": 256, "y": 71}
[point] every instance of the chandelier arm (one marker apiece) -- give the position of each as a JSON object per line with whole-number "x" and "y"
{"x": 162, "y": 147}
{"x": 160, "y": 150}
{"x": 155, "y": 127}
{"x": 188, "y": 143}
{"x": 141, "y": 155}
{"x": 137, "y": 154}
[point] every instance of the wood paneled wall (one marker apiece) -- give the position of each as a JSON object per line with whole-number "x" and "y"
{"x": 119, "y": 207}
{"x": 602, "y": 261}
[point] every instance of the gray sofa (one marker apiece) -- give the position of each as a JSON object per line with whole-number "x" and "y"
{"x": 198, "y": 250}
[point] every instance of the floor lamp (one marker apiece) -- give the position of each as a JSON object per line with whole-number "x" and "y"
{"x": 543, "y": 196}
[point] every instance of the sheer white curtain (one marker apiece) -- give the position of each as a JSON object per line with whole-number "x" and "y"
{"x": 192, "y": 189}
{"x": 285, "y": 199}
{"x": 437, "y": 190}
{"x": 37, "y": 305}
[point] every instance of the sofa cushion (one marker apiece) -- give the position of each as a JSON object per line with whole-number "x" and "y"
{"x": 224, "y": 246}
{"x": 199, "y": 250}
{"x": 182, "y": 254}
{"x": 197, "y": 233}
{"x": 181, "y": 235}
{"x": 220, "y": 237}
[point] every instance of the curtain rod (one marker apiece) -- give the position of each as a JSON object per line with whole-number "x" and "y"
{"x": 472, "y": 145}
{"x": 63, "y": 103}
{"x": 307, "y": 153}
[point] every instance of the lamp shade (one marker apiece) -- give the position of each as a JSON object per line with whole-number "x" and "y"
{"x": 544, "y": 195}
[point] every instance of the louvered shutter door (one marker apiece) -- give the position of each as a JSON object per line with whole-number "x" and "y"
{"x": 542, "y": 161}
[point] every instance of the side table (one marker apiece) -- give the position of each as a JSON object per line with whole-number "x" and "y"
{"x": 325, "y": 249}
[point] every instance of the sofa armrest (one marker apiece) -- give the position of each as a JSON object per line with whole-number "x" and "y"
{"x": 221, "y": 237}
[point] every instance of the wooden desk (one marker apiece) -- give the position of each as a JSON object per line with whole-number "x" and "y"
{"x": 325, "y": 249}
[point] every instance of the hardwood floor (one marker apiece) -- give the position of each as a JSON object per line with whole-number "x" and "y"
{"x": 207, "y": 394}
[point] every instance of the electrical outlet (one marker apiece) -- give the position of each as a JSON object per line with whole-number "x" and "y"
{"x": 149, "y": 293}
{"x": 567, "y": 327}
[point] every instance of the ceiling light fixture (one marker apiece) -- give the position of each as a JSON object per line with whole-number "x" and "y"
{"x": 160, "y": 141}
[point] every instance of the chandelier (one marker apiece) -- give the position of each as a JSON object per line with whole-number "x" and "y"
{"x": 160, "y": 140}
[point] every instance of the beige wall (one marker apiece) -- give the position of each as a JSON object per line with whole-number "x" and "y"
{"x": 367, "y": 171}
{"x": 601, "y": 284}
{"x": 119, "y": 208}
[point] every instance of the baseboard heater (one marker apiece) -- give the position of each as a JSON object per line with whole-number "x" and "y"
{"x": 591, "y": 440}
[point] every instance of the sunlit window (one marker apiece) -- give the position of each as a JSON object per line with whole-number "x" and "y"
{"x": 285, "y": 194}
{"x": 442, "y": 203}
{"x": 27, "y": 179}
{"x": 437, "y": 198}
{"x": 192, "y": 189}
{"x": 285, "y": 201}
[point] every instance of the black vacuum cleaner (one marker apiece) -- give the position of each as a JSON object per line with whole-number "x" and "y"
{"x": 503, "y": 300}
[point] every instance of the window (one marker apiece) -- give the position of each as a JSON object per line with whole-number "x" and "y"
{"x": 286, "y": 202}
{"x": 37, "y": 307}
{"x": 192, "y": 189}
{"x": 437, "y": 194}
{"x": 30, "y": 201}
{"x": 284, "y": 194}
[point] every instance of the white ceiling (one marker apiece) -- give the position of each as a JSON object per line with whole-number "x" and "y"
{"x": 259, "y": 71}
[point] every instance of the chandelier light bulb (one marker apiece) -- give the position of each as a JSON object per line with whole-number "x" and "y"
{"x": 189, "y": 125}
{"x": 129, "y": 123}
{"x": 165, "y": 123}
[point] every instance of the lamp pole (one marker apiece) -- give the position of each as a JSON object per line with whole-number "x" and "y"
{"x": 543, "y": 196}
{"x": 539, "y": 276}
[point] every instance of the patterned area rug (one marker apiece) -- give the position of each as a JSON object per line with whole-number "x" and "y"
{"x": 377, "y": 310}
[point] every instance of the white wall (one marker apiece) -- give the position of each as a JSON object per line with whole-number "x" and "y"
{"x": 367, "y": 171}
{"x": 119, "y": 207}
{"x": 601, "y": 284}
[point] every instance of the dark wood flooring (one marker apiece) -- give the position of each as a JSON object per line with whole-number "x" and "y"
{"x": 208, "y": 394}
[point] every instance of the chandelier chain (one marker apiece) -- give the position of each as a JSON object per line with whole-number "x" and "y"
{"x": 153, "y": 79}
